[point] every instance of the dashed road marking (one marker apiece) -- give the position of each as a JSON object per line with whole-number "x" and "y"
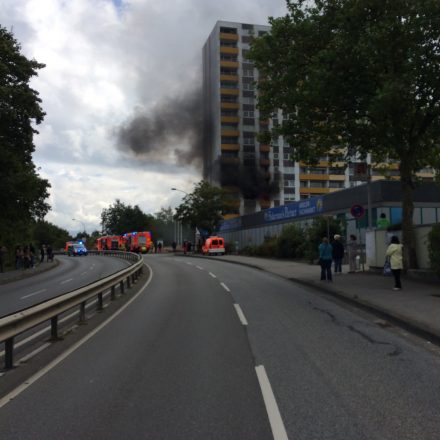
{"x": 225, "y": 287}
{"x": 84, "y": 273}
{"x": 213, "y": 276}
{"x": 66, "y": 281}
{"x": 33, "y": 293}
{"x": 34, "y": 353}
{"x": 240, "y": 314}
{"x": 275, "y": 420}
{"x": 199, "y": 267}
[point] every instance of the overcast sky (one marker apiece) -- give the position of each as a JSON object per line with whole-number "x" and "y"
{"x": 117, "y": 72}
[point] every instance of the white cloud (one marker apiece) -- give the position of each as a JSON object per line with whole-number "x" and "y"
{"x": 106, "y": 60}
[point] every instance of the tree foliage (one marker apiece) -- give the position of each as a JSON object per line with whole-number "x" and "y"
{"x": 47, "y": 233}
{"x": 358, "y": 77}
{"x": 23, "y": 191}
{"x": 203, "y": 208}
{"x": 120, "y": 218}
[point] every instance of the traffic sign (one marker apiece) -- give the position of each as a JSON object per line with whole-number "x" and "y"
{"x": 357, "y": 211}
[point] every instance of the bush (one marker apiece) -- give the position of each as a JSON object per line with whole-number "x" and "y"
{"x": 434, "y": 248}
{"x": 290, "y": 243}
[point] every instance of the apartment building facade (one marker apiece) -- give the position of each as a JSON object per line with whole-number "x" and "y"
{"x": 258, "y": 176}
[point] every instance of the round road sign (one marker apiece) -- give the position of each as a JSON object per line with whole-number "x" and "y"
{"x": 357, "y": 211}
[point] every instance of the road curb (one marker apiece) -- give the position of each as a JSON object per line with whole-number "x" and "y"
{"x": 404, "y": 321}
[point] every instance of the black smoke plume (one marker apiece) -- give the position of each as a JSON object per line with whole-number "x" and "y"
{"x": 171, "y": 132}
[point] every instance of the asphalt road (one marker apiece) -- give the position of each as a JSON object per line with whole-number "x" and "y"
{"x": 72, "y": 273}
{"x": 179, "y": 363}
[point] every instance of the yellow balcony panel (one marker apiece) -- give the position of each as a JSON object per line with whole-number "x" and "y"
{"x": 338, "y": 177}
{"x": 314, "y": 191}
{"x": 224, "y": 63}
{"x": 265, "y": 204}
{"x": 229, "y": 105}
{"x": 228, "y": 37}
{"x": 229, "y": 78}
{"x": 232, "y": 133}
{"x": 230, "y": 160}
{"x": 321, "y": 164}
{"x": 229, "y": 91}
{"x": 230, "y": 119}
{"x": 231, "y": 189}
{"x": 332, "y": 190}
{"x": 230, "y": 216}
{"x": 313, "y": 177}
{"x": 425, "y": 174}
{"x": 264, "y": 162}
{"x": 234, "y": 203}
{"x": 229, "y": 50}
{"x": 230, "y": 147}
{"x": 264, "y": 148}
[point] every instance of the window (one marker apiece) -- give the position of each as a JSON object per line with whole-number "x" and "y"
{"x": 333, "y": 184}
{"x": 229, "y": 112}
{"x": 228, "y": 30}
{"x": 249, "y": 99}
{"x": 228, "y": 44}
{"x": 248, "y": 114}
{"x": 248, "y": 121}
{"x": 317, "y": 184}
{"x": 229, "y": 126}
{"x": 248, "y": 86}
{"x": 248, "y": 107}
{"x": 286, "y": 156}
{"x": 245, "y": 53}
{"x": 249, "y": 27}
{"x": 229, "y": 140}
{"x": 246, "y": 39}
{"x": 228, "y": 85}
{"x": 249, "y": 73}
{"x": 228, "y": 57}
{"x": 249, "y": 148}
{"x": 289, "y": 190}
{"x": 275, "y": 155}
{"x": 276, "y": 164}
{"x": 248, "y": 94}
{"x": 229, "y": 98}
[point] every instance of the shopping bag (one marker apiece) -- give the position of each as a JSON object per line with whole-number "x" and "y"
{"x": 387, "y": 268}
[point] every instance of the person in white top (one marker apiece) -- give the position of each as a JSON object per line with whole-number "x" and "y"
{"x": 395, "y": 254}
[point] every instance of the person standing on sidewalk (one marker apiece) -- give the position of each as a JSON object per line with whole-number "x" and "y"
{"x": 338, "y": 253}
{"x": 395, "y": 254}
{"x": 352, "y": 253}
{"x": 325, "y": 259}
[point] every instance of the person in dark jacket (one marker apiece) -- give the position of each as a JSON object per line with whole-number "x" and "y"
{"x": 325, "y": 259}
{"x": 337, "y": 253}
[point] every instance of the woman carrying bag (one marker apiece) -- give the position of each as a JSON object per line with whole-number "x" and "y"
{"x": 395, "y": 254}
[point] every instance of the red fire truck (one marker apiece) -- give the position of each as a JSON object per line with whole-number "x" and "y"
{"x": 138, "y": 241}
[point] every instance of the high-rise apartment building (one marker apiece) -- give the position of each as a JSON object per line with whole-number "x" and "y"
{"x": 257, "y": 175}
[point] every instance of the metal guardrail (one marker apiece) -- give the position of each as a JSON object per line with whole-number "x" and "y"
{"x": 19, "y": 322}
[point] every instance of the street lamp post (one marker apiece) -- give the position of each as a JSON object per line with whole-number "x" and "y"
{"x": 83, "y": 225}
{"x": 178, "y": 232}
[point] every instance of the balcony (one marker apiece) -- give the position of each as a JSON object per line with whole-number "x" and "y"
{"x": 230, "y": 147}
{"x": 314, "y": 191}
{"x": 233, "y": 119}
{"x": 224, "y": 77}
{"x": 228, "y": 37}
{"x": 338, "y": 177}
{"x": 229, "y": 160}
{"x": 224, "y": 63}
{"x": 230, "y": 133}
{"x": 229, "y": 91}
{"x": 264, "y": 162}
{"x": 315, "y": 177}
{"x": 229, "y": 105}
{"x": 264, "y": 148}
{"x": 229, "y": 50}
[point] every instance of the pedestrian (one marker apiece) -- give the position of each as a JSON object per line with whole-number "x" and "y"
{"x": 3, "y": 252}
{"x": 174, "y": 246}
{"x": 155, "y": 247}
{"x": 188, "y": 246}
{"x": 184, "y": 247}
{"x": 337, "y": 253}
{"x": 395, "y": 254}
{"x": 159, "y": 247}
{"x": 49, "y": 253}
{"x": 19, "y": 258}
{"x": 42, "y": 253}
{"x": 325, "y": 259}
{"x": 32, "y": 255}
{"x": 352, "y": 253}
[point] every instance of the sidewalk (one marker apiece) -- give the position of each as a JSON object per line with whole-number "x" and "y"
{"x": 416, "y": 305}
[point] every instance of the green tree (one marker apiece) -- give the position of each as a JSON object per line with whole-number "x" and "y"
{"x": 203, "y": 208}
{"x": 120, "y": 218}
{"x": 357, "y": 76}
{"x": 23, "y": 191}
{"x": 47, "y": 233}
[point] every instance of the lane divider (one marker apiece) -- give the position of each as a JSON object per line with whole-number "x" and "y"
{"x": 240, "y": 314}
{"x": 66, "y": 281}
{"x": 213, "y": 276}
{"x": 225, "y": 287}
{"x": 275, "y": 419}
{"x": 33, "y": 293}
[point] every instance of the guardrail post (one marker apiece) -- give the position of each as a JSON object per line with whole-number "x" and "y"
{"x": 128, "y": 282}
{"x": 100, "y": 302}
{"x": 82, "y": 312}
{"x": 121, "y": 286}
{"x": 113, "y": 293}
{"x": 54, "y": 328}
{"x": 9, "y": 353}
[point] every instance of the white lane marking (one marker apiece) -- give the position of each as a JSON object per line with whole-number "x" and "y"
{"x": 84, "y": 273}
{"x": 199, "y": 267}
{"x": 33, "y": 353}
{"x": 189, "y": 264}
{"x": 240, "y": 314}
{"x": 275, "y": 420}
{"x": 33, "y": 293}
{"x": 17, "y": 391}
{"x": 213, "y": 276}
{"x": 66, "y": 281}
{"x": 225, "y": 287}
{"x": 47, "y": 329}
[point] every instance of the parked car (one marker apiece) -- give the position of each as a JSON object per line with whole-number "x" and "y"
{"x": 76, "y": 249}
